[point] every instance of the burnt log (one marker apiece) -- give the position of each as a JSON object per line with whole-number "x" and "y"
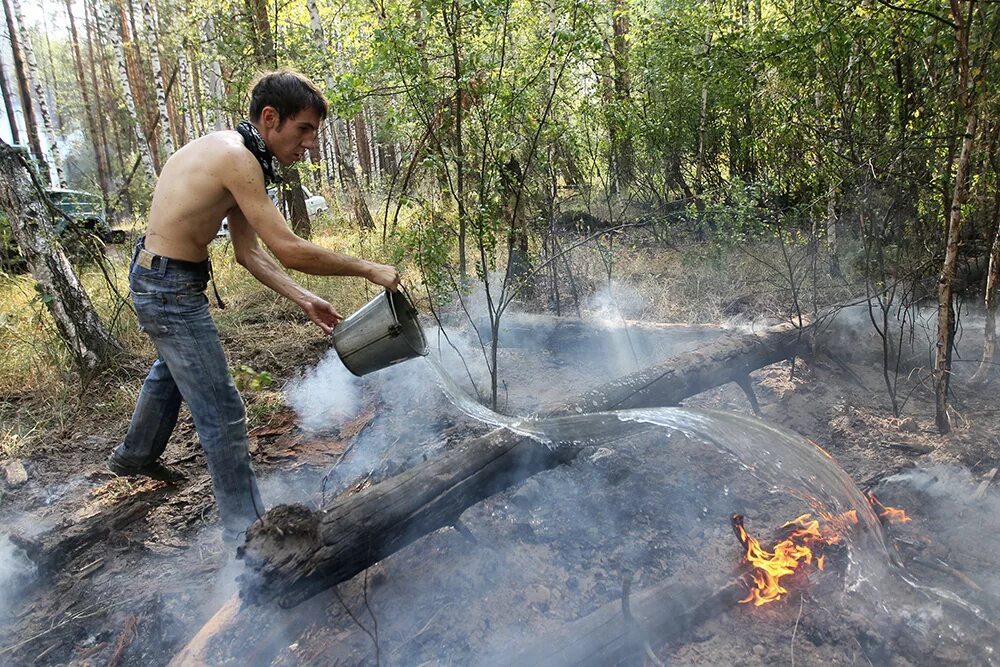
{"x": 54, "y": 549}
{"x": 293, "y": 553}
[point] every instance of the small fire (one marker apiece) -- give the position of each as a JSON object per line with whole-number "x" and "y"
{"x": 803, "y": 546}
{"x": 890, "y": 514}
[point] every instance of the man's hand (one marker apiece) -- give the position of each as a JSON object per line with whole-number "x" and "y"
{"x": 321, "y": 313}
{"x": 385, "y": 275}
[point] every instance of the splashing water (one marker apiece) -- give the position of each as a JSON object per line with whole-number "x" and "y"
{"x": 782, "y": 460}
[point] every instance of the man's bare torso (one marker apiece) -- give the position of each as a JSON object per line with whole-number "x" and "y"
{"x": 191, "y": 198}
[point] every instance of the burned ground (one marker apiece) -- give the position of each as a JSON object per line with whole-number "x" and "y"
{"x": 652, "y": 508}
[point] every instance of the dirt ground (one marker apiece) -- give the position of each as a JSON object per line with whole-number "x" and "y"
{"x": 128, "y": 570}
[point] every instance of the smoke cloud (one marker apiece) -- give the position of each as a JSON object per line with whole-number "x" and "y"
{"x": 325, "y": 395}
{"x": 16, "y": 570}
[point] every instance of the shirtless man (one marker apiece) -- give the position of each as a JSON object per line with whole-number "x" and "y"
{"x": 219, "y": 175}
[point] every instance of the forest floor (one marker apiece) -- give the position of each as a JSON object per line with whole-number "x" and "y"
{"x": 129, "y": 569}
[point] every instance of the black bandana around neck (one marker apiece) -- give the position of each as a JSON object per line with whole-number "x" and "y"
{"x": 255, "y": 144}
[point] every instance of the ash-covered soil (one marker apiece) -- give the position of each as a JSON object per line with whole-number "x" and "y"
{"x": 654, "y": 509}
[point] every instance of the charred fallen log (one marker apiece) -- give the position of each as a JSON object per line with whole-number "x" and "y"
{"x": 293, "y": 553}
{"x": 54, "y": 548}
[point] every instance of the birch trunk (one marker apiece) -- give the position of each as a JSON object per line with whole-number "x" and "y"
{"x": 985, "y": 370}
{"x": 211, "y": 76}
{"x": 24, "y": 90}
{"x": 8, "y": 103}
{"x": 359, "y": 207}
{"x": 82, "y": 330}
{"x": 89, "y": 108}
{"x": 187, "y": 86}
{"x": 92, "y": 23}
{"x": 149, "y": 18}
{"x": 140, "y": 139}
{"x": 48, "y": 134}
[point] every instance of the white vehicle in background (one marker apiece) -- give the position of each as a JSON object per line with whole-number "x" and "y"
{"x": 315, "y": 204}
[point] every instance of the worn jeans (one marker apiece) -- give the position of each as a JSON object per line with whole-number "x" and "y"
{"x": 172, "y": 308}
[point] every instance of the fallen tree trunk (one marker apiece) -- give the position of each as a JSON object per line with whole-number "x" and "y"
{"x": 293, "y": 552}
{"x": 663, "y": 612}
{"x": 55, "y": 548}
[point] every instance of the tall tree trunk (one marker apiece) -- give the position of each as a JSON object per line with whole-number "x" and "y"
{"x": 356, "y": 198}
{"x": 624, "y": 150}
{"x": 187, "y": 87}
{"x": 260, "y": 27}
{"x": 146, "y": 113}
{"x": 985, "y": 370}
{"x": 89, "y": 108}
{"x": 94, "y": 23}
{"x": 359, "y": 207}
{"x": 23, "y": 85}
{"x": 946, "y": 312}
{"x": 149, "y": 18}
{"x": 31, "y": 223}
{"x": 54, "y": 153}
{"x": 8, "y": 104}
{"x": 364, "y": 148}
{"x": 211, "y": 77}
{"x": 455, "y": 34}
{"x": 140, "y": 137}
{"x": 700, "y": 158}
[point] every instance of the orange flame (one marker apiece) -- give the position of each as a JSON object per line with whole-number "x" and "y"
{"x": 802, "y": 546}
{"x": 890, "y": 514}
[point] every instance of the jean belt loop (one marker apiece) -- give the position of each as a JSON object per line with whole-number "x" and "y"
{"x": 161, "y": 265}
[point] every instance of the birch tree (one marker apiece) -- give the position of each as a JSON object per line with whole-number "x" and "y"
{"x": 88, "y": 107}
{"x": 149, "y": 18}
{"x": 55, "y": 154}
{"x": 140, "y": 139}
{"x": 86, "y": 337}
{"x": 359, "y": 207}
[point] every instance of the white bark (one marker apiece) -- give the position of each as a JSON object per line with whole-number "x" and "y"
{"x": 211, "y": 77}
{"x": 359, "y": 207}
{"x": 68, "y": 303}
{"x": 116, "y": 43}
{"x": 149, "y": 18}
{"x": 48, "y": 138}
{"x": 187, "y": 87}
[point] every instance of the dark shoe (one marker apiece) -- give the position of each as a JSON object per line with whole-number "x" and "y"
{"x": 154, "y": 470}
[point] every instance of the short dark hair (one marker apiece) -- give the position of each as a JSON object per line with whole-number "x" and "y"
{"x": 288, "y": 92}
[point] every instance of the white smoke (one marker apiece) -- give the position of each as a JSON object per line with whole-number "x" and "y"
{"x": 326, "y": 395}
{"x": 15, "y": 571}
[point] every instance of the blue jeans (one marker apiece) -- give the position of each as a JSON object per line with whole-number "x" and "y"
{"x": 172, "y": 308}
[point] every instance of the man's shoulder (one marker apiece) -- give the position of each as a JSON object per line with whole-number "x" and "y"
{"x": 227, "y": 141}
{"x": 226, "y": 148}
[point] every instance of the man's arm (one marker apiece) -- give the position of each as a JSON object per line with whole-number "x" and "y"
{"x": 256, "y": 260}
{"x": 246, "y": 183}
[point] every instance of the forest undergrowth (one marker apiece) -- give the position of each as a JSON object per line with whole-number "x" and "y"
{"x": 632, "y": 275}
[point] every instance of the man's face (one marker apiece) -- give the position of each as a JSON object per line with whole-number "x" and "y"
{"x": 291, "y": 138}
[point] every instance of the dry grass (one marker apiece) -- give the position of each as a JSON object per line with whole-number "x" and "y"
{"x": 39, "y": 393}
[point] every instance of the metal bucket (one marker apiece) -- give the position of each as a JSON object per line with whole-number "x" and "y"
{"x": 383, "y": 332}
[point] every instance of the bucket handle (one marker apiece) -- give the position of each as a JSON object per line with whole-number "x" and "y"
{"x": 396, "y": 327}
